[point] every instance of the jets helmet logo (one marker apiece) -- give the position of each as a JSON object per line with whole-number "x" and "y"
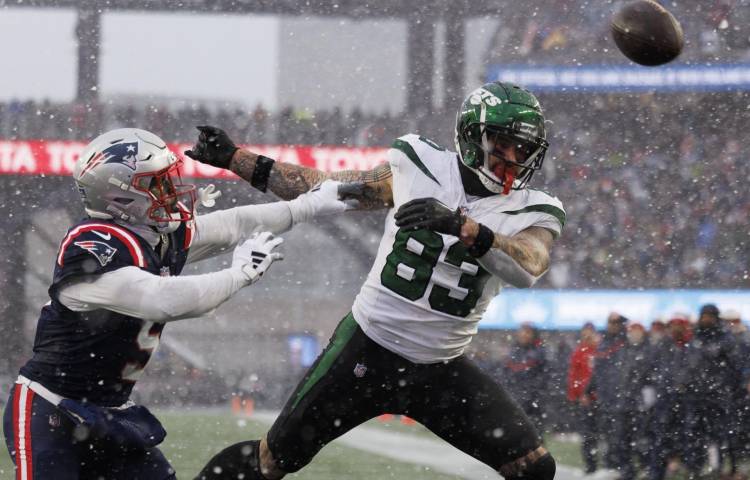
{"x": 124, "y": 153}
{"x": 103, "y": 252}
{"x": 482, "y": 95}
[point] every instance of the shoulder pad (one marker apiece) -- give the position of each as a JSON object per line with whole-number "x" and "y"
{"x": 107, "y": 244}
{"x": 545, "y": 204}
{"x": 537, "y": 197}
{"x": 417, "y": 149}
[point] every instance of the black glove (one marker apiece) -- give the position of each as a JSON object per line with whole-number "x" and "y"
{"x": 214, "y": 147}
{"x": 430, "y": 214}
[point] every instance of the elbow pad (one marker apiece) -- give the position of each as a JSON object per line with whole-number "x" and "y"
{"x": 507, "y": 269}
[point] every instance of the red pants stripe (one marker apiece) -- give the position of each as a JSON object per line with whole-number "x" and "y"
{"x": 22, "y": 399}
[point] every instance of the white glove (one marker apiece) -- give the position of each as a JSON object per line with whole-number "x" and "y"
{"x": 321, "y": 200}
{"x": 255, "y": 255}
{"x": 208, "y": 195}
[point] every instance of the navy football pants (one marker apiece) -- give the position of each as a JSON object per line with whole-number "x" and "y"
{"x": 44, "y": 444}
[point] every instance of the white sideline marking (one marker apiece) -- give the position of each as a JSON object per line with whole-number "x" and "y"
{"x": 408, "y": 448}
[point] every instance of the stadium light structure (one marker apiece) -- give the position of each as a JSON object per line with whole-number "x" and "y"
{"x": 441, "y": 9}
{"x": 422, "y": 18}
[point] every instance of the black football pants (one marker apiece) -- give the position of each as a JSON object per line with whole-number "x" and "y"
{"x": 354, "y": 379}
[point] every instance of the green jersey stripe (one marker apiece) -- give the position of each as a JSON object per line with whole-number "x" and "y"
{"x": 408, "y": 150}
{"x": 556, "y": 212}
{"x": 341, "y": 337}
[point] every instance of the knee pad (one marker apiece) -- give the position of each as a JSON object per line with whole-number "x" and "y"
{"x": 542, "y": 469}
{"x": 241, "y": 460}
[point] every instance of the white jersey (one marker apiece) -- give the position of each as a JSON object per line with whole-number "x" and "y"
{"x": 425, "y": 294}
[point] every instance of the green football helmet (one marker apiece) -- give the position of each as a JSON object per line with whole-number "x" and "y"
{"x": 501, "y": 114}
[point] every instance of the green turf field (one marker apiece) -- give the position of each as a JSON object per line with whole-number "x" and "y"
{"x": 194, "y": 437}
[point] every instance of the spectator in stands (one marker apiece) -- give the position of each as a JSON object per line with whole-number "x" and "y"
{"x": 657, "y": 333}
{"x": 716, "y": 365}
{"x": 742, "y": 396}
{"x": 526, "y": 372}
{"x": 608, "y": 383}
{"x": 638, "y": 362}
{"x": 670, "y": 379}
{"x": 579, "y": 375}
{"x": 669, "y": 244}
{"x": 559, "y": 347}
{"x": 627, "y": 440}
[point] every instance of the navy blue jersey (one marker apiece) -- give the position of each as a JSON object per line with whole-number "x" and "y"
{"x": 98, "y": 355}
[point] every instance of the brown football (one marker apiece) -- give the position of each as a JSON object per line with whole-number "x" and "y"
{"x": 647, "y": 33}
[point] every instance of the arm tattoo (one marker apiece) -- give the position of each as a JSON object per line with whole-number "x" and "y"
{"x": 286, "y": 180}
{"x": 289, "y": 181}
{"x": 529, "y": 248}
{"x": 375, "y": 192}
{"x": 377, "y": 174}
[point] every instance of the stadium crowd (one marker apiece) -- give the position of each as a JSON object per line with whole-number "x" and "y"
{"x": 654, "y": 184}
{"x": 674, "y": 397}
{"x": 715, "y": 30}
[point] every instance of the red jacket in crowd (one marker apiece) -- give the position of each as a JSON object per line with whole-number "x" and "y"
{"x": 580, "y": 369}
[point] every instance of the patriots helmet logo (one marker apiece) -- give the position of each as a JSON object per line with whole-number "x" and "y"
{"x": 124, "y": 153}
{"x": 100, "y": 250}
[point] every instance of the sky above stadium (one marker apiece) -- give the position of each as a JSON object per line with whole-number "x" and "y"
{"x": 305, "y": 62}
{"x": 218, "y": 57}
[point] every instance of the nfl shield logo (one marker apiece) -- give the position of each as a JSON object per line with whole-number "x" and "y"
{"x": 359, "y": 370}
{"x": 54, "y": 420}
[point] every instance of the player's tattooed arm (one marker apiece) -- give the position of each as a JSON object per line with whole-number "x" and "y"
{"x": 285, "y": 180}
{"x": 529, "y": 248}
{"x": 373, "y": 189}
{"x": 289, "y": 181}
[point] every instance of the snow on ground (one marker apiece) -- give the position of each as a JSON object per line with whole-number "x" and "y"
{"x": 435, "y": 454}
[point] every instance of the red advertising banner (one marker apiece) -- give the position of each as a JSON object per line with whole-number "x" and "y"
{"x": 49, "y": 157}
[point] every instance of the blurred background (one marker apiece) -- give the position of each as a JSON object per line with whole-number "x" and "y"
{"x": 651, "y": 164}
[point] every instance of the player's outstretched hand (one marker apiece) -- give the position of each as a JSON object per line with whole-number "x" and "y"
{"x": 207, "y": 195}
{"x": 213, "y": 147}
{"x": 323, "y": 199}
{"x": 430, "y": 214}
{"x": 256, "y": 254}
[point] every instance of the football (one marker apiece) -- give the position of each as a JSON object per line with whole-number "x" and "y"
{"x": 647, "y": 33}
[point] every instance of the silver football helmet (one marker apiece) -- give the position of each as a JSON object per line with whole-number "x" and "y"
{"x": 130, "y": 175}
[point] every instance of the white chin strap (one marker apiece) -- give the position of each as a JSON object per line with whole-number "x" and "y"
{"x": 169, "y": 227}
{"x": 489, "y": 180}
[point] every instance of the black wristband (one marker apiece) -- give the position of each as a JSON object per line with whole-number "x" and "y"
{"x": 483, "y": 242}
{"x": 261, "y": 173}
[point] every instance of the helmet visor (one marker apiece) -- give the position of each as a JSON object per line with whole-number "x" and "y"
{"x": 525, "y": 151}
